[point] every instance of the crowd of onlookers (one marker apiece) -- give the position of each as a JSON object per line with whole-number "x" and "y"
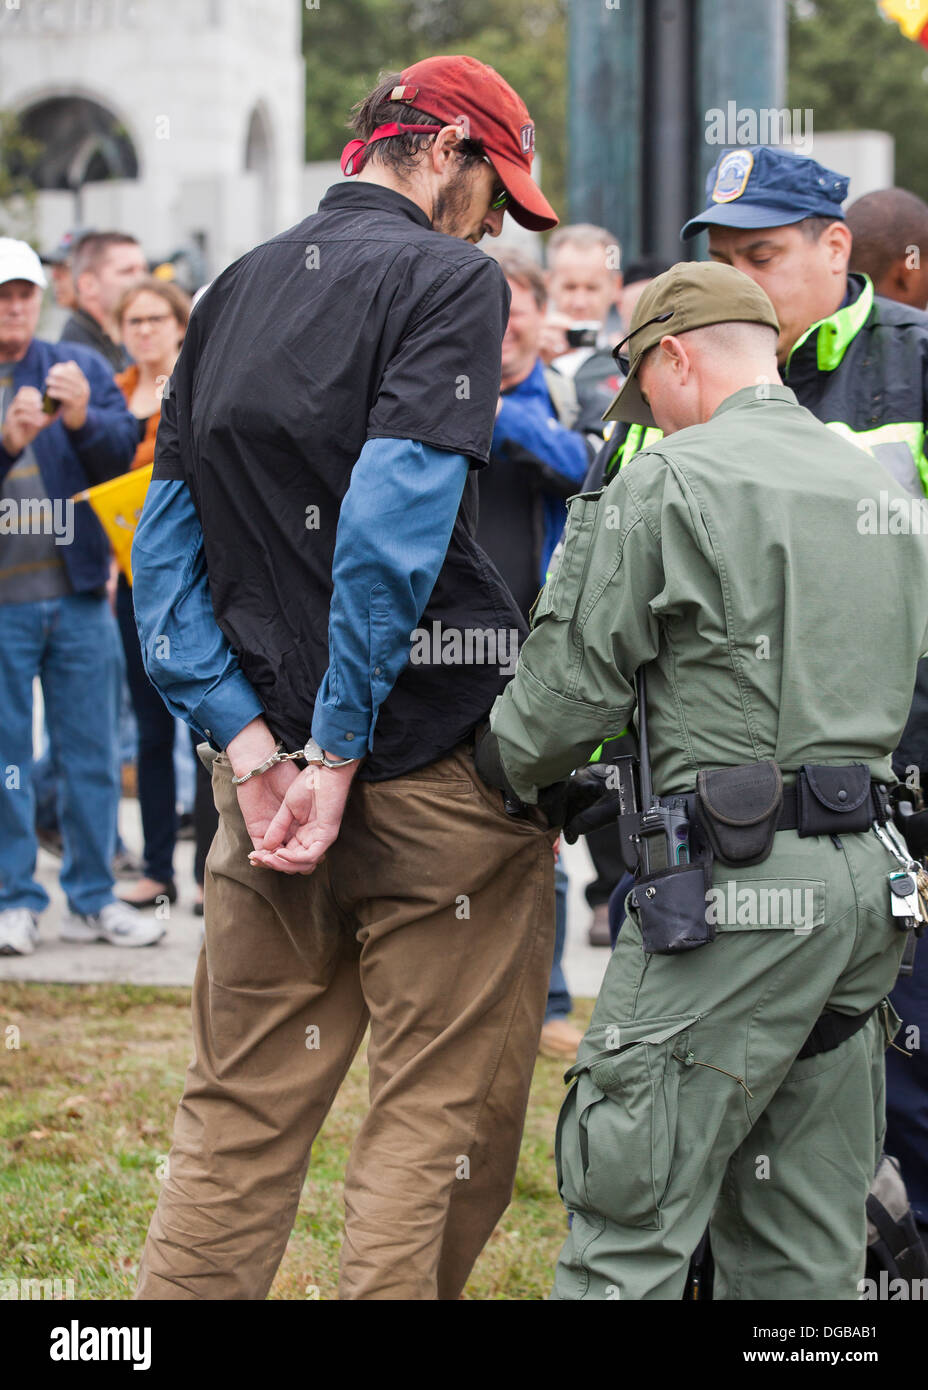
{"x": 74, "y": 414}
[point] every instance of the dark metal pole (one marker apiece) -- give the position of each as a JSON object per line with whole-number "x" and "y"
{"x": 604, "y": 117}
{"x": 643, "y": 75}
{"x": 667, "y": 191}
{"x": 740, "y": 66}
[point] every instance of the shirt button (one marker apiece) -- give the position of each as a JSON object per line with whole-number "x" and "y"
{"x": 348, "y": 738}
{"x": 376, "y": 670}
{"x": 842, "y": 795}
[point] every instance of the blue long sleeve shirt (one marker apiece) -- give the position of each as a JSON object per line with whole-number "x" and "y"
{"x": 394, "y": 527}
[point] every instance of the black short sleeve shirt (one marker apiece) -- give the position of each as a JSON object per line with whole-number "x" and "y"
{"x": 361, "y": 322}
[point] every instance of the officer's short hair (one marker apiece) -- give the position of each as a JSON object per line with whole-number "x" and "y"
{"x": 401, "y": 152}
{"x": 813, "y": 227}
{"x": 728, "y": 338}
{"x": 584, "y": 235}
{"x": 884, "y": 225}
{"x": 521, "y": 270}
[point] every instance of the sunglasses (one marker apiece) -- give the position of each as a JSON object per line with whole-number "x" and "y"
{"x": 502, "y": 198}
{"x": 619, "y": 357}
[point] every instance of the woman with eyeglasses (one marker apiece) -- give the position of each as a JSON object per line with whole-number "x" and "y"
{"x": 152, "y": 316}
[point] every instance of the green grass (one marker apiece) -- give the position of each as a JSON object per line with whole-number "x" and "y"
{"x": 87, "y": 1100}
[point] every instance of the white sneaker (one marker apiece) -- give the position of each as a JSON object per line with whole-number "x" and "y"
{"x": 19, "y": 932}
{"x": 118, "y": 923}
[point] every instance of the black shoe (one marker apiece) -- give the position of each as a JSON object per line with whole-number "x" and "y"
{"x": 168, "y": 890}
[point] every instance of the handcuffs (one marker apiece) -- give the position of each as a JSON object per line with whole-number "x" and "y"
{"x": 311, "y": 753}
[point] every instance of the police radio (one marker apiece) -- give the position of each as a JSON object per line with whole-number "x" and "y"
{"x": 663, "y": 832}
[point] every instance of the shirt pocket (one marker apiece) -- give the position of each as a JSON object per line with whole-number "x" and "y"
{"x": 617, "y": 1128}
{"x": 569, "y": 561}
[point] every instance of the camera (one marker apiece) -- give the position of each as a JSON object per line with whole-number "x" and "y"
{"x": 581, "y": 335}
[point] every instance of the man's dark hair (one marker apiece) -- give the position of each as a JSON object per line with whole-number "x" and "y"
{"x": 522, "y": 270}
{"x": 401, "y": 152}
{"x": 884, "y": 225}
{"x": 93, "y": 248}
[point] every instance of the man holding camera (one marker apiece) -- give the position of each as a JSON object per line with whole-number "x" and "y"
{"x": 733, "y": 1068}
{"x": 63, "y": 425}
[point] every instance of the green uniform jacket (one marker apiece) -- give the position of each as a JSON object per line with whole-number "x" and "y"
{"x": 772, "y": 576}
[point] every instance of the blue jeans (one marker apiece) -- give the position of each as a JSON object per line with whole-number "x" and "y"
{"x": 71, "y": 644}
{"x": 559, "y": 1001}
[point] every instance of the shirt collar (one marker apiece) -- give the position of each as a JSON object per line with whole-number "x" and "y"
{"x": 374, "y": 196}
{"x": 748, "y": 395}
{"x": 834, "y": 335}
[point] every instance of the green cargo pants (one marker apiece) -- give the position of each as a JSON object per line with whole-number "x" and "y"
{"x": 690, "y": 1105}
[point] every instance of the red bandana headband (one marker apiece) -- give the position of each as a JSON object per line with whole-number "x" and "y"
{"x": 383, "y": 132}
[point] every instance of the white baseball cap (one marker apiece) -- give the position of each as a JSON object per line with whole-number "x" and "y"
{"x": 18, "y": 261}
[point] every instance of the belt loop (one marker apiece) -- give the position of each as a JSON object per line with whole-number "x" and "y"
{"x": 881, "y": 802}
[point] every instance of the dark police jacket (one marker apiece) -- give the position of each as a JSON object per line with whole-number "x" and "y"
{"x": 359, "y": 323}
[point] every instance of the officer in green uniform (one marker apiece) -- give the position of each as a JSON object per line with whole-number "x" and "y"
{"x": 735, "y": 561}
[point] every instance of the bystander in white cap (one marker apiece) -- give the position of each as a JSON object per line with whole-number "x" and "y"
{"x": 18, "y": 261}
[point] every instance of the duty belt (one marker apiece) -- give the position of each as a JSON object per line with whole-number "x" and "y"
{"x": 789, "y": 811}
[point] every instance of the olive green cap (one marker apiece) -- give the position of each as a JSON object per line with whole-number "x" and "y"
{"x": 691, "y": 294}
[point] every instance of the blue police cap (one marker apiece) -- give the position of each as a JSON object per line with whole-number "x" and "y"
{"x": 760, "y": 186}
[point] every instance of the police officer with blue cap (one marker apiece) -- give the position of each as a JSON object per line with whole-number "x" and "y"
{"x": 859, "y": 362}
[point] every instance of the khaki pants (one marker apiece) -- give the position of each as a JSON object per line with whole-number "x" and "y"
{"x": 432, "y": 919}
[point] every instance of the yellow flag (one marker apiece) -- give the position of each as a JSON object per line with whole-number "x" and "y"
{"x": 910, "y": 15}
{"x": 118, "y": 505}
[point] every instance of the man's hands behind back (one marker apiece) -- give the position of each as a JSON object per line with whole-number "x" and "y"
{"x": 308, "y": 820}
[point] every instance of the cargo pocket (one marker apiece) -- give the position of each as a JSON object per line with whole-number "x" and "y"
{"x": 617, "y": 1127}
{"x": 770, "y": 904}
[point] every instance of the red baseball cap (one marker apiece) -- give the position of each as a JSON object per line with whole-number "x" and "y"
{"x": 459, "y": 90}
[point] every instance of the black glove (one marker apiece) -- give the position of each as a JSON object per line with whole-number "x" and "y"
{"x": 592, "y": 800}
{"x": 488, "y": 762}
{"x": 552, "y": 801}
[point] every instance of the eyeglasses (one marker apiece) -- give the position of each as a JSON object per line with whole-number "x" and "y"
{"x": 153, "y": 319}
{"x": 501, "y": 199}
{"x": 619, "y": 357}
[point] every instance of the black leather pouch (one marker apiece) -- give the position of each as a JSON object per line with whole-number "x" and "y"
{"x": 672, "y": 911}
{"x": 739, "y": 810}
{"x": 834, "y": 800}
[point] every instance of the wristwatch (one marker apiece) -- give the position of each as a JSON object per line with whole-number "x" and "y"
{"x": 311, "y": 753}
